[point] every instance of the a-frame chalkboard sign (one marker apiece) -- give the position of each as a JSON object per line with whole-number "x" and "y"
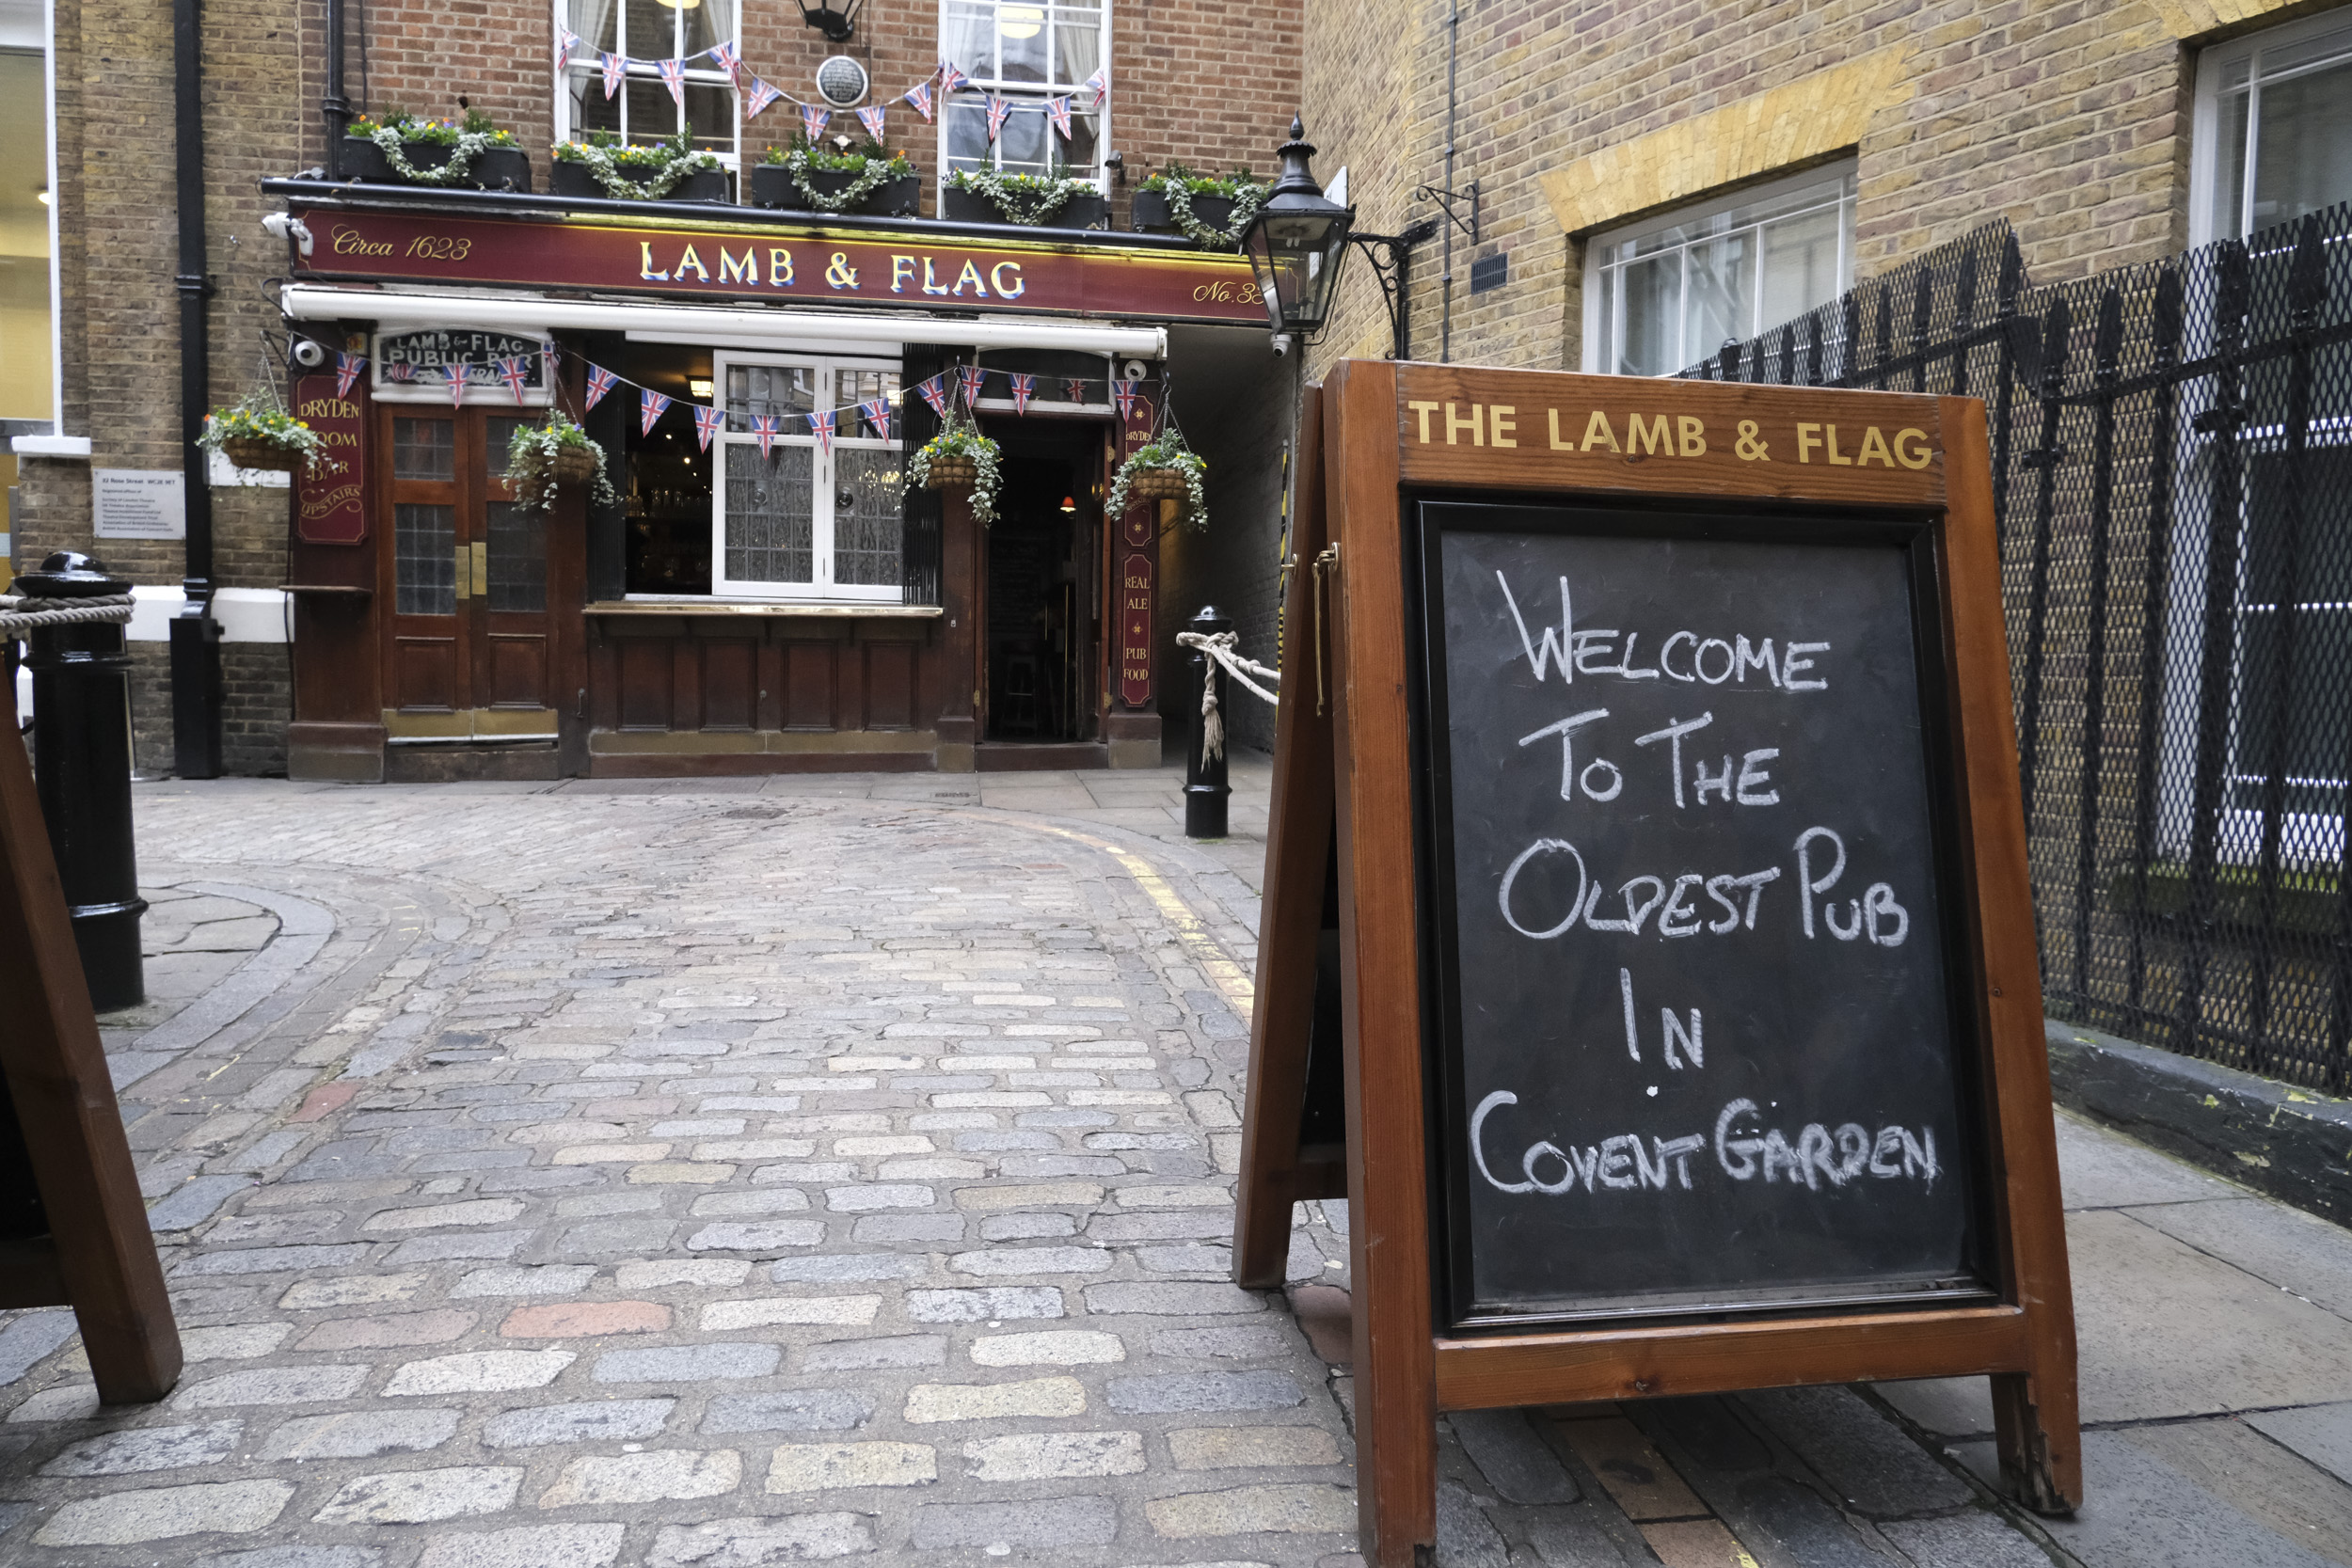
{"x": 1646, "y": 853}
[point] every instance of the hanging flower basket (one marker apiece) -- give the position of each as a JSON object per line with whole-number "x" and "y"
{"x": 952, "y": 474}
{"x": 253, "y": 451}
{"x": 576, "y": 464}
{"x": 957, "y": 460}
{"x": 1164, "y": 470}
{"x": 1159, "y": 484}
{"x": 559, "y": 453}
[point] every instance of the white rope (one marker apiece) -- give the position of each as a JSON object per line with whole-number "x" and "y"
{"x": 15, "y": 621}
{"x": 1220, "y": 647}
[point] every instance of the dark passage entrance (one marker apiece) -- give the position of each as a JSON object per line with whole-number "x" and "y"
{"x": 1041, "y": 589}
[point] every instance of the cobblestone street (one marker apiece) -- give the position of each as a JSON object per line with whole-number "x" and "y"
{"x": 744, "y": 1172}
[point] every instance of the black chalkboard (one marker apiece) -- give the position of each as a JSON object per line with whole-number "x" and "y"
{"x": 1674, "y": 1082}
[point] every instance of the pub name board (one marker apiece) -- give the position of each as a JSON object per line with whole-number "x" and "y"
{"x": 745, "y": 262}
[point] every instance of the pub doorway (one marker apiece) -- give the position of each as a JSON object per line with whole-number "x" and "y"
{"x": 1043, "y": 620}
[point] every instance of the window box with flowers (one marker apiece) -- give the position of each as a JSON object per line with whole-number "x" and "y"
{"x": 1030, "y": 200}
{"x": 670, "y": 170}
{"x": 868, "y": 178}
{"x": 1210, "y": 210}
{"x": 397, "y": 149}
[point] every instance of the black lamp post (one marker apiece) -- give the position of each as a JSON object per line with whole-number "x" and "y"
{"x": 1296, "y": 243}
{"x": 1300, "y": 237}
{"x": 836, "y": 19}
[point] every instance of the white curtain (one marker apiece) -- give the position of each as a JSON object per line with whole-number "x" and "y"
{"x": 593, "y": 21}
{"x": 1079, "y": 42}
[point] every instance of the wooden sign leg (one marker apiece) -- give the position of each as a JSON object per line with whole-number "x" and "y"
{"x": 1297, "y": 857}
{"x": 65, "y": 1100}
{"x": 1387, "y": 1231}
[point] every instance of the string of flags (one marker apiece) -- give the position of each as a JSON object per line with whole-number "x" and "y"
{"x": 814, "y": 118}
{"x": 964, "y": 384}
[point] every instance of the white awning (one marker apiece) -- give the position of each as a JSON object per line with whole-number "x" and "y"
{"x": 398, "y": 309}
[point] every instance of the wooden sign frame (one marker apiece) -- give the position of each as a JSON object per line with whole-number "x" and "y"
{"x": 99, "y": 1257}
{"x": 1378, "y": 437}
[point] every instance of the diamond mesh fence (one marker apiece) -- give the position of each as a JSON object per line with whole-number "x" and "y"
{"x": 2173, "y": 482}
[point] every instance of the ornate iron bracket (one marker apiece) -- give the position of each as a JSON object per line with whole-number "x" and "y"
{"x": 1391, "y": 258}
{"x": 1447, "y": 198}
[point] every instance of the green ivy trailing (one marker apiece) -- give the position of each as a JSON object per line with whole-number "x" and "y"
{"x": 1167, "y": 451}
{"x": 466, "y": 140}
{"x": 1178, "y": 185}
{"x": 256, "y": 417}
{"x": 531, "y": 461}
{"x": 664, "y": 164}
{"x": 872, "y": 163}
{"x": 1023, "y": 198}
{"x": 963, "y": 440}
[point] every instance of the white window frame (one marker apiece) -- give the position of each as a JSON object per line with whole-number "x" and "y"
{"x": 822, "y": 589}
{"x": 2204, "y": 173}
{"x": 1025, "y": 94}
{"x": 584, "y": 65}
{"x": 1598, "y": 247}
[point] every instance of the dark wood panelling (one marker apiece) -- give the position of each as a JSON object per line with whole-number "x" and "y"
{"x": 889, "y": 686}
{"x": 425, "y": 671}
{"x": 518, "y": 671}
{"x": 809, "y": 695}
{"x": 729, "y": 690}
{"x": 647, "y": 688}
{"x": 693, "y": 674}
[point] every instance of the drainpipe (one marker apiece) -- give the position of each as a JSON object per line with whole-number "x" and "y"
{"x": 337, "y": 104}
{"x": 195, "y": 635}
{"x": 1453, "y": 57}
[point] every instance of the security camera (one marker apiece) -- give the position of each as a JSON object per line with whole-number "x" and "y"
{"x": 309, "y": 353}
{"x": 285, "y": 226}
{"x": 1280, "y": 342}
{"x": 1134, "y": 369}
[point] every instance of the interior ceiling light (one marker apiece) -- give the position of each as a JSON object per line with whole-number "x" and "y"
{"x": 1070, "y": 503}
{"x": 40, "y": 194}
{"x": 1020, "y": 22}
{"x": 680, "y": 5}
{"x": 699, "y": 386}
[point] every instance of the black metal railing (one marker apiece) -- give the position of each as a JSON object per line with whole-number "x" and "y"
{"x": 2172, "y": 481}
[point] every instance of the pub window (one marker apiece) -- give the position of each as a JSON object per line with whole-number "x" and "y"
{"x": 647, "y": 32}
{"x": 2273, "y": 136}
{"x": 805, "y": 521}
{"x": 1668, "y": 291}
{"x": 1028, "y": 51}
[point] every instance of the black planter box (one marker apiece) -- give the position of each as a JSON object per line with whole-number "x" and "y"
{"x": 498, "y": 168}
{"x": 576, "y": 180}
{"x": 1079, "y": 212}
{"x": 1153, "y": 214}
{"x": 771, "y": 186}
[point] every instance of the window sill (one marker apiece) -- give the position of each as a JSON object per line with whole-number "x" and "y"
{"x": 760, "y": 606}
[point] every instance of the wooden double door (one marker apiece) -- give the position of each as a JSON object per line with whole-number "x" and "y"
{"x": 469, "y": 645}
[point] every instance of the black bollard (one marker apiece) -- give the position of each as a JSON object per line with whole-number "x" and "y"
{"x": 82, "y": 764}
{"x": 1205, "y": 788}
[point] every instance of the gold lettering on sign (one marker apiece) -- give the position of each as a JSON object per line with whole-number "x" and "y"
{"x": 432, "y": 247}
{"x": 1019, "y": 286}
{"x": 1598, "y": 433}
{"x": 1694, "y": 434}
{"x": 645, "y": 263}
{"x": 350, "y": 242}
{"x": 1653, "y": 440}
{"x": 1474, "y": 424}
{"x": 1500, "y": 424}
{"x": 1425, "y": 410}
{"x": 1749, "y": 449}
{"x": 733, "y": 271}
{"x": 1904, "y": 455}
{"x": 1808, "y": 436}
{"x": 971, "y": 274}
{"x": 901, "y": 273}
{"x": 780, "y": 266}
{"x": 691, "y": 259}
{"x": 930, "y": 284}
{"x": 1557, "y": 444}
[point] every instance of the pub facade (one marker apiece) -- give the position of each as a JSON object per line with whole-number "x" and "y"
{"x": 761, "y": 589}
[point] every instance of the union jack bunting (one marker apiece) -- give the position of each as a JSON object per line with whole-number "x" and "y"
{"x": 1123, "y": 395}
{"x": 729, "y": 58}
{"x": 400, "y": 372}
{"x": 872, "y": 117}
{"x": 761, "y": 96}
{"x": 951, "y": 81}
{"x": 599, "y": 382}
{"x": 651, "y": 405}
{"x": 547, "y": 364}
{"x": 565, "y": 41}
{"x": 706, "y": 421}
{"x": 674, "y": 77}
{"x": 877, "y": 412}
{"x": 934, "y": 392}
{"x": 1057, "y": 110}
{"x": 812, "y": 121}
{"x": 347, "y": 369}
{"x": 514, "y": 373}
{"x": 999, "y": 110}
{"x": 456, "y": 375}
{"x": 764, "y": 428}
{"x": 1023, "y": 389}
{"x": 1099, "y": 83}
{"x": 1077, "y": 389}
{"x": 918, "y": 97}
{"x": 616, "y": 69}
{"x": 975, "y": 380}
{"x": 822, "y": 426}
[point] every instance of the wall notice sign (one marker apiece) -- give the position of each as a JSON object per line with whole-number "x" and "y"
{"x": 138, "y": 503}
